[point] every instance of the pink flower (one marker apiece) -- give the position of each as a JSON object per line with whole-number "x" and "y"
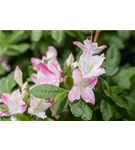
{"x": 47, "y": 73}
{"x": 18, "y": 76}
{"x": 38, "y": 107}
{"x": 14, "y": 102}
{"x": 91, "y": 67}
{"x": 89, "y": 47}
{"x": 82, "y": 88}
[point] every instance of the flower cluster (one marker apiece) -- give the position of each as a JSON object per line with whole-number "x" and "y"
{"x": 85, "y": 73}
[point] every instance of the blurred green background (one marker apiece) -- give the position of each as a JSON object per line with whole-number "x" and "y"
{"x": 115, "y": 94}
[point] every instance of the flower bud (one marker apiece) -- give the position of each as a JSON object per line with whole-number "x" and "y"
{"x": 24, "y": 89}
{"x": 70, "y": 60}
{"x": 18, "y": 76}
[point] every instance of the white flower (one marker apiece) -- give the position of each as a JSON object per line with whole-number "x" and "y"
{"x": 91, "y": 67}
{"x": 38, "y": 107}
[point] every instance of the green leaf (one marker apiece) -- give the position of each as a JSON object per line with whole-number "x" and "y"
{"x": 132, "y": 81}
{"x": 3, "y": 108}
{"x": 121, "y": 102}
{"x": 5, "y": 119}
{"x": 57, "y": 35}
{"x": 122, "y": 78}
{"x": 36, "y": 35}
{"x": 81, "y": 109}
{"x": 21, "y": 117}
{"x": 60, "y": 101}
{"x": 107, "y": 110}
{"x": 68, "y": 82}
{"x": 112, "y": 60}
{"x": 46, "y": 91}
{"x": 14, "y": 50}
{"x": 7, "y": 84}
{"x": 124, "y": 34}
{"x": 117, "y": 90}
{"x": 49, "y": 119}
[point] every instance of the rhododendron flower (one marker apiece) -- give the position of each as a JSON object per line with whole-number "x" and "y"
{"x": 89, "y": 47}
{"x": 47, "y": 73}
{"x": 18, "y": 76}
{"x": 91, "y": 67}
{"x": 14, "y": 102}
{"x": 70, "y": 60}
{"x": 38, "y": 107}
{"x": 82, "y": 88}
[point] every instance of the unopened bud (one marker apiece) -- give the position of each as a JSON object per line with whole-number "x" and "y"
{"x": 70, "y": 60}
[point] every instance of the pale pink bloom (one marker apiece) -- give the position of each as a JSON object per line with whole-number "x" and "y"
{"x": 38, "y": 107}
{"x": 91, "y": 67}
{"x": 82, "y": 88}
{"x": 70, "y": 60}
{"x": 51, "y": 53}
{"x": 14, "y": 102}
{"x": 18, "y": 76}
{"x": 89, "y": 47}
{"x": 49, "y": 73}
{"x": 4, "y": 63}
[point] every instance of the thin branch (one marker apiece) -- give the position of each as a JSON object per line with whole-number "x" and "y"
{"x": 97, "y": 35}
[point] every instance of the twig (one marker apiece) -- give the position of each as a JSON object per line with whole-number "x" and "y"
{"x": 97, "y": 35}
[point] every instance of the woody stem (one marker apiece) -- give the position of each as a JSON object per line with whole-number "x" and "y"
{"x": 97, "y": 35}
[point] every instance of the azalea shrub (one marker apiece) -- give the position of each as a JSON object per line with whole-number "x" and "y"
{"x": 67, "y": 75}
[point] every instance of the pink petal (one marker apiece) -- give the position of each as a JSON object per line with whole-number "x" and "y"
{"x": 88, "y": 44}
{"x": 92, "y": 82}
{"x": 5, "y": 98}
{"x": 24, "y": 107}
{"x": 80, "y": 45}
{"x": 88, "y": 95}
{"x": 77, "y": 75}
{"x": 51, "y": 53}
{"x": 99, "y": 49}
{"x": 2, "y": 114}
{"x": 74, "y": 93}
{"x": 35, "y": 61}
{"x": 43, "y": 68}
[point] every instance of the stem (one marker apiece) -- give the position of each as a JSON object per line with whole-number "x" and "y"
{"x": 97, "y": 35}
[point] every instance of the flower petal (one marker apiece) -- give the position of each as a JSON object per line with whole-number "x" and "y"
{"x": 74, "y": 93}
{"x": 80, "y": 45}
{"x": 92, "y": 82}
{"x": 88, "y": 95}
{"x": 51, "y": 53}
{"x": 88, "y": 44}
{"x": 41, "y": 114}
{"x": 77, "y": 75}
{"x": 99, "y": 49}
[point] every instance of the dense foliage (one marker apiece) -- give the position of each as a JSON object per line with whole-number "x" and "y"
{"x": 114, "y": 92}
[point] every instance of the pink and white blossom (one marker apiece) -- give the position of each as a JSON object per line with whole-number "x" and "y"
{"x": 91, "y": 67}
{"x": 89, "y": 47}
{"x": 82, "y": 88}
{"x": 49, "y": 73}
{"x": 38, "y": 107}
{"x": 18, "y": 76}
{"x": 14, "y": 102}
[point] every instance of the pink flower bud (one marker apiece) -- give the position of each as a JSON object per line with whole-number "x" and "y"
{"x": 18, "y": 76}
